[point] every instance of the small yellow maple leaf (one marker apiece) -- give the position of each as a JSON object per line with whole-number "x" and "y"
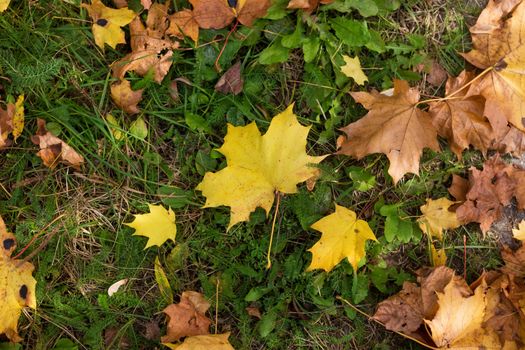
{"x": 4, "y": 4}
{"x": 260, "y": 165}
{"x": 18, "y": 117}
{"x": 159, "y": 225}
{"x": 520, "y": 232}
{"x": 439, "y": 257}
{"x": 352, "y": 69}
{"x": 458, "y": 315}
{"x": 107, "y": 23}
{"x": 17, "y": 285}
{"x": 343, "y": 236}
{"x": 436, "y": 217}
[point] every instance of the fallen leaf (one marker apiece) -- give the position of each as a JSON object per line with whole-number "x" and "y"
{"x": 6, "y": 124}
{"x": 460, "y": 119}
{"x": 18, "y": 117}
{"x": 437, "y": 74}
{"x": 163, "y": 282}
{"x": 307, "y": 6}
{"x": 519, "y": 233}
{"x": 437, "y": 217}
{"x": 17, "y": 286}
{"x": 4, "y": 4}
{"x": 116, "y": 286}
{"x": 393, "y": 126}
{"x": 53, "y": 150}
{"x": 107, "y": 23}
{"x": 231, "y": 82}
{"x": 259, "y": 165}
{"x": 343, "y": 236}
{"x": 183, "y": 23}
{"x": 352, "y": 69}
{"x": 458, "y": 315}
{"x": 459, "y": 188}
{"x": 125, "y": 98}
{"x": 139, "y": 128}
{"x": 514, "y": 260}
{"x": 489, "y": 191}
{"x": 158, "y": 225}
{"x": 217, "y": 14}
{"x": 204, "y": 342}
{"x": 114, "y": 127}
{"x": 187, "y": 318}
{"x": 254, "y": 312}
{"x": 498, "y": 46}
{"x": 439, "y": 257}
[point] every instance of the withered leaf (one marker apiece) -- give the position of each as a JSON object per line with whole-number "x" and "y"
{"x": 217, "y": 14}
{"x": 307, "y": 5}
{"x": 183, "y": 24}
{"x": 393, "y": 126}
{"x": 125, "y": 98}
{"x": 231, "y": 82}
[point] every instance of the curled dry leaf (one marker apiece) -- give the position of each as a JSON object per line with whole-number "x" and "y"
{"x": 217, "y": 14}
{"x": 53, "y": 150}
{"x": 187, "y": 318}
{"x": 260, "y": 165}
{"x": 461, "y": 121}
{"x": 307, "y": 6}
{"x": 183, "y": 24}
{"x": 437, "y": 74}
{"x": 6, "y": 124}
{"x": 393, "y": 126}
{"x": 107, "y": 23}
{"x": 459, "y": 188}
{"x": 231, "y": 82}
{"x": 17, "y": 285}
{"x": 116, "y": 286}
{"x": 343, "y": 236}
{"x": 125, "y": 98}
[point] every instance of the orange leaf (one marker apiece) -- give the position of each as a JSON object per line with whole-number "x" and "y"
{"x": 217, "y": 14}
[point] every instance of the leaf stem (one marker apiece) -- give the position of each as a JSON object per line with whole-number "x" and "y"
{"x": 268, "y": 258}
{"x": 217, "y": 65}
{"x": 451, "y": 96}
{"x": 382, "y": 324}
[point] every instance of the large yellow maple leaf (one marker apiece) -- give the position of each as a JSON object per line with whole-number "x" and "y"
{"x": 260, "y": 165}
{"x": 158, "y": 225}
{"x": 459, "y": 316}
{"x": 343, "y": 236}
{"x": 107, "y": 23}
{"x": 17, "y": 285}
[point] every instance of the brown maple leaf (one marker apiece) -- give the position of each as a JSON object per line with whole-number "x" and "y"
{"x": 187, "y": 318}
{"x": 231, "y": 81}
{"x": 307, "y": 6}
{"x": 53, "y": 150}
{"x": 183, "y": 24}
{"x": 490, "y": 190}
{"x": 498, "y": 46}
{"x": 460, "y": 119}
{"x": 393, "y": 126}
{"x": 125, "y": 98}
{"x": 217, "y": 14}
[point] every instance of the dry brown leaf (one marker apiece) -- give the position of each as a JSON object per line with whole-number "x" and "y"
{"x": 254, "y": 312}
{"x": 461, "y": 121}
{"x": 125, "y": 98}
{"x": 53, "y": 150}
{"x": 459, "y": 188}
{"x": 514, "y": 260}
{"x": 6, "y": 124}
{"x": 307, "y": 6}
{"x": 498, "y": 45}
{"x": 187, "y": 317}
{"x": 393, "y": 126}
{"x": 183, "y": 24}
{"x": 437, "y": 75}
{"x": 231, "y": 81}
{"x": 489, "y": 191}
{"x": 217, "y": 14}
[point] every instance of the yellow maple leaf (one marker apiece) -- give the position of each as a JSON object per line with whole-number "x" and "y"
{"x": 439, "y": 257}
{"x": 352, "y": 69}
{"x": 343, "y": 236}
{"x": 259, "y": 165}
{"x": 203, "y": 342}
{"x": 520, "y": 232}
{"x": 436, "y": 217}
{"x": 18, "y": 117}
{"x": 107, "y": 23}
{"x": 17, "y": 286}
{"x": 458, "y": 315}
{"x": 4, "y": 4}
{"x": 159, "y": 225}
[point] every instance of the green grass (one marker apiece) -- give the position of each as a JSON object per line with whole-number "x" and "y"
{"x": 47, "y": 53}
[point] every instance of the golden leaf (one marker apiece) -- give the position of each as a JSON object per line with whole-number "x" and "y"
{"x": 343, "y": 236}
{"x": 436, "y": 217}
{"x": 203, "y": 342}
{"x": 259, "y": 165}
{"x": 159, "y": 225}
{"x": 18, "y": 117}
{"x": 352, "y": 69}
{"x": 519, "y": 233}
